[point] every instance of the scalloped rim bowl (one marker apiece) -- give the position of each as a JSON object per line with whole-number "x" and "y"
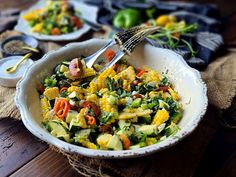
{"x": 187, "y": 81}
{"x": 88, "y": 12}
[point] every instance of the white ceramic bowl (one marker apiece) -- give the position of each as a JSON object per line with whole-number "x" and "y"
{"x": 187, "y": 82}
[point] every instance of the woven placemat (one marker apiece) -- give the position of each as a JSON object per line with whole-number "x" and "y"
{"x": 220, "y": 78}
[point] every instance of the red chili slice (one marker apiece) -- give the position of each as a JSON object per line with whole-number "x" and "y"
{"x": 61, "y": 108}
{"x": 91, "y": 105}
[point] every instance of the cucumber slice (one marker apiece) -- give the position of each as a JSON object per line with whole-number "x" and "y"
{"x": 115, "y": 143}
{"x": 71, "y": 114}
{"x": 64, "y": 124}
{"x": 177, "y": 117}
{"x": 78, "y": 121}
{"x": 149, "y": 129}
{"x": 137, "y": 146}
{"x": 58, "y": 131}
{"x": 82, "y": 135}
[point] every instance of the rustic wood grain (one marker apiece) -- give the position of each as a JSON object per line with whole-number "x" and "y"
{"x": 228, "y": 169}
{"x": 47, "y": 164}
{"x": 21, "y": 4}
{"x": 17, "y": 146}
{"x": 220, "y": 150}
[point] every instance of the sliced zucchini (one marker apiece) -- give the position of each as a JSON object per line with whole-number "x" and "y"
{"x": 115, "y": 143}
{"x": 149, "y": 129}
{"x": 58, "y": 131}
{"x": 176, "y": 117}
{"x": 82, "y": 135}
{"x": 64, "y": 124}
{"x": 63, "y": 68}
{"x": 136, "y": 146}
{"x": 71, "y": 114}
{"x": 78, "y": 121}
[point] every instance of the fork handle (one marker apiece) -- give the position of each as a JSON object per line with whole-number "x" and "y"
{"x": 92, "y": 58}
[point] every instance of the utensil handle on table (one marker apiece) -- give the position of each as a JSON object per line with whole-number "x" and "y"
{"x": 95, "y": 26}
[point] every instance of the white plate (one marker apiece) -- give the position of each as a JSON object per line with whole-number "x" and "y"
{"x": 10, "y": 80}
{"x": 88, "y": 12}
{"x": 187, "y": 82}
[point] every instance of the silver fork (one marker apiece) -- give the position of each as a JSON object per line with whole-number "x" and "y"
{"x": 121, "y": 38}
{"x": 129, "y": 45}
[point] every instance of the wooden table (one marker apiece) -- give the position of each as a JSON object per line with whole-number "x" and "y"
{"x": 209, "y": 151}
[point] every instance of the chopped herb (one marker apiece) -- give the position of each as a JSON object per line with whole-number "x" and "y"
{"x": 138, "y": 137}
{"x": 172, "y": 129}
{"x": 84, "y": 85}
{"x": 164, "y": 81}
{"x": 106, "y": 117}
{"x": 64, "y": 94}
{"x": 114, "y": 85}
{"x": 50, "y": 82}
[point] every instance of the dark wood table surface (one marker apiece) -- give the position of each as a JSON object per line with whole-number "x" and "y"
{"x": 210, "y": 151}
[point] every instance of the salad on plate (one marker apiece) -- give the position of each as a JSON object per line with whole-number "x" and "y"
{"x": 56, "y": 18}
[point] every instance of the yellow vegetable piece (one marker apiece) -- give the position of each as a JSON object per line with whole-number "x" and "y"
{"x": 162, "y": 20}
{"x": 153, "y": 94}
{"x": 122, "y": 101}
{"x": 93, "y": 87}
{"x": 126, "y": 115}
{"x": 150, "y": 76}
{"x": 76, "y": 89}
{"x": 45, "y": 106}
{"x": 101, "y": 80}
{"x": 69, "y": 76}
{"x": 103, "y": 140}
{"x": 126, "y": 85}
{"x": 93, "y": 98}
{"x": 88, "y": 144}
{"x": 37, "y": 28}
{"x": 51, "y": 93}
{"x": 128, "y": 74}
{"x": 160, "y": 117}
{"x": 88, "y": 72}
{"x": 172, "y": 18}
{"x": 81, "y": 119}
{"x": 32, "y": 15}
{"x": 174, "y": 94}
{"x": 133, "y": 113}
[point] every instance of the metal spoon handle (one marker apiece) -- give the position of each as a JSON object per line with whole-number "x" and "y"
{"x": 93, "y": 25}
{"x": 26, "y": 56}
{"x": 31, "y": 49}
{"x": 13, "y": 68}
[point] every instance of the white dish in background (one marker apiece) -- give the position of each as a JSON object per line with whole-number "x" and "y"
{"x": 88, "y": 12}
{"x": 187, "y": 82}
{"x": 10, "y": 80}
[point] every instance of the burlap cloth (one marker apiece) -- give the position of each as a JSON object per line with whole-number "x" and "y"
{"x": 220, "y": 78}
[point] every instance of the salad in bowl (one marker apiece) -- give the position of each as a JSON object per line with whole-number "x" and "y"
{"x": 121, "y": 108}
{"x": 145, "y": 103}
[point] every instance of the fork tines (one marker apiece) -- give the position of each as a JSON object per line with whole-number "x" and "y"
{"x": 136, "y": 38}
